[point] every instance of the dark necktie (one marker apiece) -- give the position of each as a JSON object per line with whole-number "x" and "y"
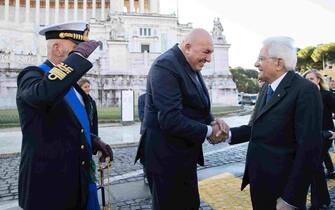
{"x": 269, "y": 93}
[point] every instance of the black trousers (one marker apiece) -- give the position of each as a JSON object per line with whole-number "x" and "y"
{"x": 174, "y": 192}
{"x": 319, "y": 190}
{"x": 326, "y": 156}
{"x": 263, "y": 197}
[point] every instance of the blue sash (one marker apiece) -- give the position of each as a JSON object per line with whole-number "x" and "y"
{"x": 81, "y": 114}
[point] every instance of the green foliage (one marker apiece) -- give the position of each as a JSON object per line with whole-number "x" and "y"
{"x": 314, "y": 57}
{"x": 246, "y": 80}
{"x": 326, "y": 51}
{"x": 9, "y": 118}
{"x": 251, "y": 73}
{"x": 305, "y": 60}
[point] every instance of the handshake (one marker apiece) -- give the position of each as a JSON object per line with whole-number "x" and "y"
{"x": 220, "y": 132}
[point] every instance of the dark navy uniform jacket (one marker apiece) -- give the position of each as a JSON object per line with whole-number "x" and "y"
{"x": 54, "y": 156}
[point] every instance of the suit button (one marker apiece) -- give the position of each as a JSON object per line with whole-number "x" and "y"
{"x": 82, "y": 146}
{"x": 82, "y": 162}
{"x": 82, "y": 130}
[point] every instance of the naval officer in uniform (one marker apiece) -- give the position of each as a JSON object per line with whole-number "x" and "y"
{"x": 56, "y": 169}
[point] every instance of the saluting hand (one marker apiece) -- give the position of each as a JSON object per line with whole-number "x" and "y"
{"x": 86, "y": 48}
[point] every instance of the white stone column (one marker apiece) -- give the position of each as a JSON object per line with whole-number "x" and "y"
{"x": 121, "y": 6}
{"x": 153, "y": 6}
{"x": 85, "y": 10}
{"x": 47, "y": 12}
{"x": 6, "y": 9}
{"x": 94, "y": 8}
{"x": 132, "y": 6}
{"x": 75, "y": 12}
{"x": 27, "y": 13}
{"x": 66, "y": 10}
{"x": 141, "y": 6}
{"x": 56, "y": 11}
{"x": 37, "y": 14}
{"x": 116, "y": 6}
{"x": 102, "y": 9}
{"x": 17, "y": 11}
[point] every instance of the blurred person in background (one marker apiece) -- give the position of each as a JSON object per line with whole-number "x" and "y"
{"x": 92, "y": 106}
{"x": 319, "y": 189}
{"x": 140, "y": 109}
{"x": 332, "y": 85}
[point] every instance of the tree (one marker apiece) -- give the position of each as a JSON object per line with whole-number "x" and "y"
{"x": 305, "y": 60}
{"x": 246, "y": 80}
{"x": 315, "y": 57}
{"x": 251, "y": 73}
{"x": 324, "y": 53}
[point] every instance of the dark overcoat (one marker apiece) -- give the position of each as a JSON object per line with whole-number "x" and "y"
{"x": 284, "y": 143}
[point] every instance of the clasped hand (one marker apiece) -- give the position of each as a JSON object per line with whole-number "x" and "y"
{"x": 220, "y": 132}
{"x": 105, "y": 149}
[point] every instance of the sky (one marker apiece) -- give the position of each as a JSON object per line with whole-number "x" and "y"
{"x": 247, "y": 23}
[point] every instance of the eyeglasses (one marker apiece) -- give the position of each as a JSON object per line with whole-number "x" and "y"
{"x": 261, "y": 58}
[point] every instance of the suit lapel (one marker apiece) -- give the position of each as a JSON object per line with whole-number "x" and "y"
{"x": 259, "y": 104}
{"x": 277, "y": 96}
{"x": 201, "y": 93}
{"x": 204, "y": 88}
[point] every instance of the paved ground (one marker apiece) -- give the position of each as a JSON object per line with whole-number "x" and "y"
{"x": 219, "y": 179}
{"x": 125, "y": 176}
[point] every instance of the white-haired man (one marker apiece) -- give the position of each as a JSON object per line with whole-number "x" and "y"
{"x": 284, "y": 133}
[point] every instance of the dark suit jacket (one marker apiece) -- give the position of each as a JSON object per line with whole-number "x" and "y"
{"x": 284, "y": 140}
{"x": 141, "y": 105}
{"x": 176, "y": 117}
{"x": 328, "y": 100}
{"x": 54, "y": 167}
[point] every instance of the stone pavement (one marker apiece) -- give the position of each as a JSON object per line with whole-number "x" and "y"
{"x": 219, "y": 180}
{"x": 128, "y": 190}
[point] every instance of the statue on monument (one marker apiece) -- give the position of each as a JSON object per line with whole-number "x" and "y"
{"x": 117, "y": 32}
{"x": 217, "y": 32}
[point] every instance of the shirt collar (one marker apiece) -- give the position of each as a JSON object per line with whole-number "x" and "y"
{"x": 276, "y": 83}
